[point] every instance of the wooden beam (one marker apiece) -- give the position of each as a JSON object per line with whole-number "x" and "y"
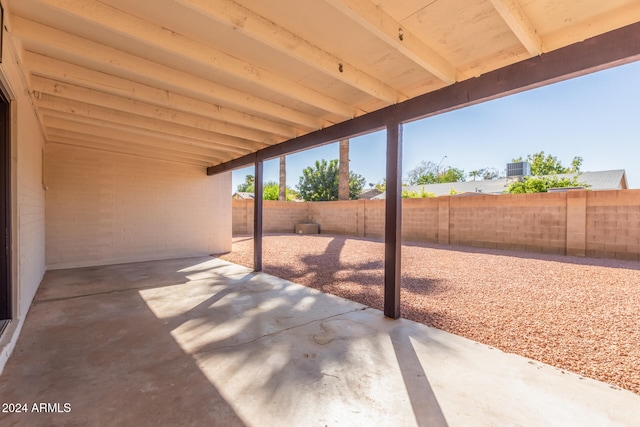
{"x": 617, "y": 47}
{"x": 127, "y": 135}
{"x": 103, "y": 127}
{"x": 514, "y": 16}
{"x": 257, "y": 217}
{"x": 139, "y": 146}
{"x": 183, "y": 49}
{"x": 74, "y": 110}
{"x": 112, "y": 62}
{"x": 348, "y": 129}
{"x": 129, "y": 151}
{"x": 393, "y": 222}
{"x": 58, "y": 92}
{"x": 135, "y": 147}
{"x": 371, "y": 16}
{"x": 265, "y": 31}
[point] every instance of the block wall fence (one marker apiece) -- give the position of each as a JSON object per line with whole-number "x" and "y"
{"x": 599, "y": 224}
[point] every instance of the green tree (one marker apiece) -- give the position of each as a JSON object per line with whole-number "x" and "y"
{"x": 549, "y": 165}
{"x": 320, "y": 183}
{"x": 271, "y": 191}
{"x": 451, "y": 175}
{"x": 424, "y": 173}
{"x": 541, "y": 184}
{"x": 247, "y": 185}
{"x": 415, "y": 195}
{"x": 475, "y": 174}
{"x": 429, "y": 173}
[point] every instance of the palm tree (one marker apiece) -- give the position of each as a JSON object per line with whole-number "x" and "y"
{"x": 343, "y": 171}
{"x": 474, "y": 174}
{"x": 282, "y": 193}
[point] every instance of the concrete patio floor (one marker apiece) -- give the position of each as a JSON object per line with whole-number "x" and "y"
{"x": 204, "y": 342}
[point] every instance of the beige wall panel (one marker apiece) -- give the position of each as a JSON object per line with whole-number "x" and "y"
{"x": 28, "y": 201}
{"x": 105, "y": 208}
{"x": 30, "y": 197}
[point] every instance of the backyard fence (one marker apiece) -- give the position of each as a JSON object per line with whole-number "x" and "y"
{"x": 602, "y": 224}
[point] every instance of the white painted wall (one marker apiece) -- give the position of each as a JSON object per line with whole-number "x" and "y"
{"x": 102, "y": 208}
{"x": 106, "y": 208}
{"x": 28, "y": 201}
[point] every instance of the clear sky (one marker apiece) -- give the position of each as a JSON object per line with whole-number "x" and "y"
{"x": 596, "y": 117}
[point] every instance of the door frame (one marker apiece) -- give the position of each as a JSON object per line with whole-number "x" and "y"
{"x": 6, "y": 273}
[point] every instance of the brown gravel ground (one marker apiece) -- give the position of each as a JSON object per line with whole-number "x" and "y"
{"x": 578, "y": 314}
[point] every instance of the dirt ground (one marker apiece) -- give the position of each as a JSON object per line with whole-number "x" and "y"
{"x": 578, "y": 314}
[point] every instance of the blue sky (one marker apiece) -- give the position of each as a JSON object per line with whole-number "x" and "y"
{"x": 596, "y": 117}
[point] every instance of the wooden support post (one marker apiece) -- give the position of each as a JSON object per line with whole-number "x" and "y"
{"x": 393, "y": 222}
{"x": 257, "y": 218}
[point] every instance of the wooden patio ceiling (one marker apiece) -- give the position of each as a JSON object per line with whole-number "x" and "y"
{"x": 208, "y": 82}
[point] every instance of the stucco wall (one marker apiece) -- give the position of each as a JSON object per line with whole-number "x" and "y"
{"x": 105, "y": 208}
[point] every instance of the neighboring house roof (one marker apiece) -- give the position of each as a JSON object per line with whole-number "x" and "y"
{"x": 369, "y": 194}
{"x": 599, "y": 180}
{"x": 241, "y": 195}
{"x": 604, "y": 180}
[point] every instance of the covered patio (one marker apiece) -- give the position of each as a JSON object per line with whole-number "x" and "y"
{"x": 120, "y": 124}
{"x": 200, "y": 341}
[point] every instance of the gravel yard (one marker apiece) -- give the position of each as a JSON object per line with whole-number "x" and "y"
{"x": 578, "y": 314}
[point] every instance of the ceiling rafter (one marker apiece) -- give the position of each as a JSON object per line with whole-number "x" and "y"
{"x": 514, "y": 16}
{"x": 87, "y": 141}
{"x": 69, "y": 108}
{"x": 157, "y": 37}
{"x": 62, "y": 78}
{"x": 373, "y": 18}
{"x": 56, "y": 95}
{"x": 130, "y": 133}
{"x": 244, "y": 20}
{"x": 62, "y": 131}
{"x": 133, "y": 68}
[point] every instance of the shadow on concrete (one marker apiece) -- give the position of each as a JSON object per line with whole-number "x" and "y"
{"x": 108, "y": 355}
{"x": 294, "y": 353}
{"x": 423, "y": 401}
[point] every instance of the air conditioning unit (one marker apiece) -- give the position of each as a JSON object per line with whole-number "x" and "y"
{"x": 518, "y": 169}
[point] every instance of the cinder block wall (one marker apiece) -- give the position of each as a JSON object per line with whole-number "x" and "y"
{"x": 105, "y": 208}
{"x": 239, "y": 212}
{"x": 282, "y": 217}
{"x": 339, "y": 217}
{"x": 527, "y": 222}
{"x": 581, "y": 223}
{"x": 613, "y": 224}
{"x": 420, "y": 220}
{"x": 374, "y": 218}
